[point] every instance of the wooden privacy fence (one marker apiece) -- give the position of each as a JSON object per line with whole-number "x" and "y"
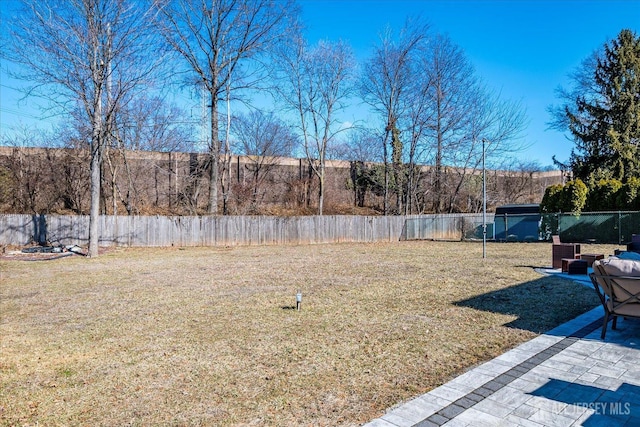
{"x": 19, "y": 230}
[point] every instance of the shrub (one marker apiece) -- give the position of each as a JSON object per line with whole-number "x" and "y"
{"x": 604, "y": 195}
{"x": 552, "y": 199}
{"x": 574, "y": 196}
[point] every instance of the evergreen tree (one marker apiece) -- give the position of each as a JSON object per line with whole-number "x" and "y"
{"x": 603, "y": 113}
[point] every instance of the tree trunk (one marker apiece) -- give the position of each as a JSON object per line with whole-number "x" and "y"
{"x": 94, "y": 212}
{"x": 214, "y": 157}
{"x": 439, "y": 136}
{"x": 385, "y": 197}
{"x": 321, "y": 189}
{"x": 96, "y": 173}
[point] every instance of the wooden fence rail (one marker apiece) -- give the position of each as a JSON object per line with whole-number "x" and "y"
{"x": 19, "y": 230}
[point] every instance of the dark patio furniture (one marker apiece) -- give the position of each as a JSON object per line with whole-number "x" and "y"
{"x": 574, "y": 266}
{"x": 560, "y": 250}
{"x": 590, "y": 258}
{"x": 634, "y": 245}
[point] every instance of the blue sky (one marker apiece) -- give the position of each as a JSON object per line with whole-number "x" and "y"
{"x": 523, "y": 49}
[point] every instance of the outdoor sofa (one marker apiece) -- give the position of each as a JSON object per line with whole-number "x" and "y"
{"x": 617, "y": 282}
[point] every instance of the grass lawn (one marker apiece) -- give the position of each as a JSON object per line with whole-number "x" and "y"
{"x": 210, "y": 336}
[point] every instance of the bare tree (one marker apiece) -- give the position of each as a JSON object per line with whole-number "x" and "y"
{"x": 219, "y": 39}
{"x": 386, "y": 86}
{"x": 146, "y": 123}
{"x": 29, "y": 178}
{"x": 264, "y": 139}
{"x": 461, "y": 113}
{"x": 416, "y": 129}
{"x": 48, "y": 179}
{"x": 518, "y": 182}
{"x": 362, "y": 150}
{"x": 316, "y": 83}
{"x": 149, "y": 123}
{"x": 361, "y": 145}
{"x": 86, "y": 56}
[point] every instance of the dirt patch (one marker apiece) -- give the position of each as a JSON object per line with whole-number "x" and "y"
{"x": 14, "y": 253}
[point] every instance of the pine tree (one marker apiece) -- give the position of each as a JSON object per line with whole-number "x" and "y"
{"x": 605, "y": 119}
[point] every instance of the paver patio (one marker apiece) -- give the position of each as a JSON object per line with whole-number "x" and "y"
{"x": 565, "y": 377}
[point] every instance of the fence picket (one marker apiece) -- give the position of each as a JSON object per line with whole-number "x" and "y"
{"x": 19, "y": 230}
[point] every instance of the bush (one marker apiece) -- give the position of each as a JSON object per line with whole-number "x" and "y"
{"x": 552, "y": 199}
{"x": 574, "y": 196}
{"x": 604, "y": 195}
{"x": 558, "y": 198}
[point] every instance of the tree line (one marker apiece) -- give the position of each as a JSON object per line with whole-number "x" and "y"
{"x": 108, "y": 65}
{"x": 56, "y": 181}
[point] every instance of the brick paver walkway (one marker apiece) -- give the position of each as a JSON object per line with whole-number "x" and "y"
{"x": 566, "y": 377}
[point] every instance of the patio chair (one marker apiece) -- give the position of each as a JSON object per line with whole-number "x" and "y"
{"x": 561, "y": 250}
{"x": 617, "y": 283}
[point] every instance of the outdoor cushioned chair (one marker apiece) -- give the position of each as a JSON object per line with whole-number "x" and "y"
{"x": 561, "y": 250}
{"x": 617, "y": 282}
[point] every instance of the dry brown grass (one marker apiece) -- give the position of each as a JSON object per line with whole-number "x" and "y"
{"x": 205, "y": 336}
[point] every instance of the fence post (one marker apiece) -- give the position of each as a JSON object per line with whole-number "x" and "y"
{"x": 506, "y": 227}
{"x": 619, "y": 227}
